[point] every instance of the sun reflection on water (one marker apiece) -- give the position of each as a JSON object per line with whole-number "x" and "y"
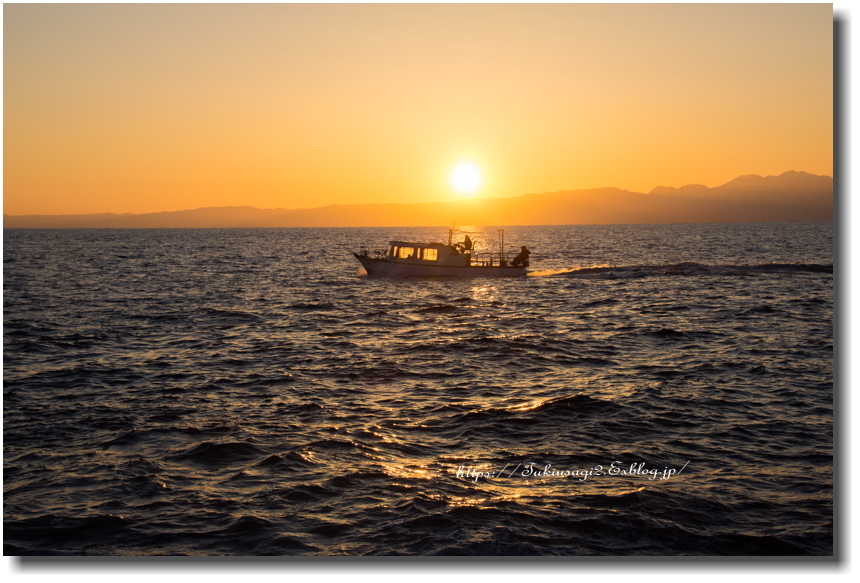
{"x": 399, "y": 470}
{"x": 484, "y": 293}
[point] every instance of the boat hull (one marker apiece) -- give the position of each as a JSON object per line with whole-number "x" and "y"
{"x": 385, "y": 268}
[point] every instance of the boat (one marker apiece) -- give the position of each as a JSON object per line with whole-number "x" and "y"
{"x": 408, "y": 258}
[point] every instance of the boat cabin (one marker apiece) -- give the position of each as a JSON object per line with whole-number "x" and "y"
{"x": 427, "y": 254}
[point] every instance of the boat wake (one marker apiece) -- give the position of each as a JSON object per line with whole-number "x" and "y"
{"x": 564, "y": 271}
{"x": 683, "y": 269}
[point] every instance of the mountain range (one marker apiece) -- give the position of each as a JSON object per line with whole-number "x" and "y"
{"x": 791, "y": 196}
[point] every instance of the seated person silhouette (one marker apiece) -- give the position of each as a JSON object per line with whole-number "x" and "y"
{"x": 467, "y": 244}
{"x": 522, "y": 260}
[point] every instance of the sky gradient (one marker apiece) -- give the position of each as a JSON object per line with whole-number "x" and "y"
{"x": 147, "y": 108}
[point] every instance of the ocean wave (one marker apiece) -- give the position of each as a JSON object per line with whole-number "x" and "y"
{"x": 218, "y": 455}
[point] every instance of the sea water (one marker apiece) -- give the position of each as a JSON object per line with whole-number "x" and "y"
{"x": 646, "y": 390}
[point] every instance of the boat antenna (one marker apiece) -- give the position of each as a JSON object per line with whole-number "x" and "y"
{"x": 451, "y": 232}
{"x": 502, "y": 244}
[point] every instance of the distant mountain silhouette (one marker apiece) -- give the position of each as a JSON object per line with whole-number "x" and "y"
{"x": 792, "y": 196}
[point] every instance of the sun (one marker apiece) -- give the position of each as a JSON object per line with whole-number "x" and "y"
{"x": 466, "y": 178}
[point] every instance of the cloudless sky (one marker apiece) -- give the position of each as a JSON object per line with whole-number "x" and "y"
{"x": 161, "y": 107}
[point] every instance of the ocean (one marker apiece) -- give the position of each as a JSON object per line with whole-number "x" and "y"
{"x": 647, "y": 390}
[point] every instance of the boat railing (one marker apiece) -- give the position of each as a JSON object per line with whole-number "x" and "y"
{"x": 490, "y": 259}
{"x": 363, "y": 251}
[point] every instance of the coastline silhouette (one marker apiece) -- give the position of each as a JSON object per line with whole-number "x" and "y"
{"x": 791, "y": 196}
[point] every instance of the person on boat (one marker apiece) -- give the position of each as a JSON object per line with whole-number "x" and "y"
{"x": 522, "y": 260}
{"x": 467, "y": 244}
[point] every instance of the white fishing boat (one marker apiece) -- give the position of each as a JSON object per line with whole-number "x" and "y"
{"x": 407, "y": 258}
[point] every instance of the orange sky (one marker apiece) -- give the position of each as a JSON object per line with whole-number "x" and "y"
{"x": 154, "y": 107}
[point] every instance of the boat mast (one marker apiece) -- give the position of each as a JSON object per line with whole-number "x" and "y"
{"x": 501, "y": 244}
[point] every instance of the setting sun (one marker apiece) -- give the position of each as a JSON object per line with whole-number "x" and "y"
{"x": 466, "y": 178}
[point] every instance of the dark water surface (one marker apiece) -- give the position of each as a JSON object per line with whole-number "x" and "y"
{"x": 648, "y": 390}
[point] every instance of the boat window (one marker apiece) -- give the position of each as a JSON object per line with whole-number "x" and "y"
{"x": 405, "y": 252}
{"x": 430, "y": 254}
